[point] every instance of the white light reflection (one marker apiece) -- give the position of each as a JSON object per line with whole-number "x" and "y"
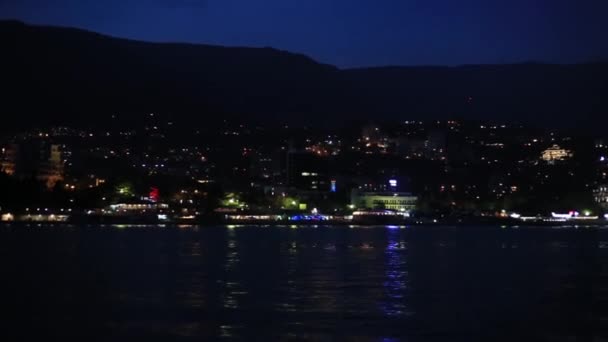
{"x": 396, "y": 276}
{"x": 233, "y": 289}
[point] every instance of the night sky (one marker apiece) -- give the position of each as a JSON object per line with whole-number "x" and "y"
{"x": 350, "y": 33}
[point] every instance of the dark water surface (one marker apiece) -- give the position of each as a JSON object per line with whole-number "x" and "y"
{"x": 283, "y": 284}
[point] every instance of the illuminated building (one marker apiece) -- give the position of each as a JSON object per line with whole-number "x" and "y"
{"x": 600, "y": 194}
{"x": 43, "y": 218}
{"x": 7, "y": 217}
{"x": 306, "y": 171}
{"x": 154, "y": 195}
{"x": 135, "y": 207}
{"x": 7, "y": 160}
{"x": 397, "y": 201}
{"x": 35, "y": 159}
{"x": 393, "y": 184}
{"x": 555, "y": 153}
{"x": 52, "y": 170}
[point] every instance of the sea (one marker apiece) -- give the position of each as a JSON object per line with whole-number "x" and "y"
{"x": 296, "y": 283}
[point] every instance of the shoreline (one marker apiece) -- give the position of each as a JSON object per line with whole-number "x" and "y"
{"x": 328, "y": 223}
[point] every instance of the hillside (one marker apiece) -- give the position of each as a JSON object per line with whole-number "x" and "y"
{"x": 62, "y": 75}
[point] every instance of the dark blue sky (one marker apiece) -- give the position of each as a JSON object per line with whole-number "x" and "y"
{"x": 351, "y": 33}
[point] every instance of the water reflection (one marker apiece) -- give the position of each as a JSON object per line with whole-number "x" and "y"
{"x": 341, "y": 283}
{"x": 396, "y": 277}
{"x": 229, "y": 331}
{"x": 232, "y": 290}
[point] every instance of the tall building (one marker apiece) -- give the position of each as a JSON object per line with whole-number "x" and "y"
{"x": 52, "y": 168}
{"x": 7, "y": 158}
{"x": 600, "y": 194}
{"x": 35, "y": 159}
{"x": 601, "y": 153}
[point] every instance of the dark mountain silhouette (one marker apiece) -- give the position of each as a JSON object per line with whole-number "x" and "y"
{"x": 70, "y": 76}
{"x": 63, "y": 74}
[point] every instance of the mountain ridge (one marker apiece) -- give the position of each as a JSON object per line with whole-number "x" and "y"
{"x": 67, "y": 71}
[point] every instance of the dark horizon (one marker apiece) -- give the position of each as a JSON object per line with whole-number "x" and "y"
{"x": 68, "y": 69}
{"x": 388, "y": 66}
{"x": 351, "y": 35}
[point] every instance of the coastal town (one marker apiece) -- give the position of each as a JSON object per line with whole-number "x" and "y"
{"x": 408, "y": 172}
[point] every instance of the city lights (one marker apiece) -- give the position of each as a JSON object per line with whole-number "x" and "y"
{"x": 402, "y": 174}
{"x": 267, "y": 178}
